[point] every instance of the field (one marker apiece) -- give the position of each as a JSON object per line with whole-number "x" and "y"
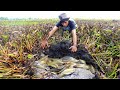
{"x": 20, "y": 42}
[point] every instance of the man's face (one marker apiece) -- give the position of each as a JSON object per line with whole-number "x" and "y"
{"x": 65, "y": 23}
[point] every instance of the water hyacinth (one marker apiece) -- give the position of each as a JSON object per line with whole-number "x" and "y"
{"x": 20, "y": 49}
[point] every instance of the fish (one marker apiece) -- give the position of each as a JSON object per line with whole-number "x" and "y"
{"x": 69, "y": 58}
{"x": 67, "y": 72}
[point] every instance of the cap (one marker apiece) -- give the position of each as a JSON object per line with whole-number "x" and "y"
{"x": 63, "y": 17}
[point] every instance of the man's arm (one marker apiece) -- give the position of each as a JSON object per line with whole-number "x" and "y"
{"x": 74, "y": 37}
{"x": 55, "y": 28}
{"x": 44, "y": 42}
{"x": 74, "y": 46}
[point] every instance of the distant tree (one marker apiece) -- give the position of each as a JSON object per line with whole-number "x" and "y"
{"x": 4, "y": 18}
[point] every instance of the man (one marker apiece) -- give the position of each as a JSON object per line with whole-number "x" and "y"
{"x": 67, "y": 24}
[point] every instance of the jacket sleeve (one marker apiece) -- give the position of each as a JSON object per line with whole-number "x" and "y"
{"x": 58, "y": 24}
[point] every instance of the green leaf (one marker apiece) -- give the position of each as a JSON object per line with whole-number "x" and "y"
{"x": 114, "y": 71}
{"x": 29, "y": 56}
{"x": 1, "y": 75}
{"x": 12, "y": 55}
{"x": 5, "y": 36}
{"x": 28, "y": 36}
{"x": 109, "y": 31}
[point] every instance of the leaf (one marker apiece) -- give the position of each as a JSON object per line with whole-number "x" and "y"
{"x": 28, "y": 36}
{"x": 109, "y": 31}
{"x": 14, "y": 44}
{"x": 12, "y": 55}
{"x": 67, "y": 71}
{"x": 114, "y": 71}
{"x": 29, "y": 56}
{"x": 4, "y": 70}
{"x": 18, "y": 75}
{"x": 5, "y": 36}
{"x": 1, "y": 75}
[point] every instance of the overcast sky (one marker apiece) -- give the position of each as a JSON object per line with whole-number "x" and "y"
{"x": 54, "y": 14}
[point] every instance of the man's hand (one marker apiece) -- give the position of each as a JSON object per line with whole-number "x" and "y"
{"x": 44, "y": 44}
{"x": 73, "y": 48}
